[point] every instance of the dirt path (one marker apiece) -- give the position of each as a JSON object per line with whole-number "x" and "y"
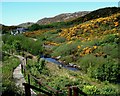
{"x": 18, "y": 76}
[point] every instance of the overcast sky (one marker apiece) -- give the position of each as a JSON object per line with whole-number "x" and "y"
{"x": 14, "y": 13}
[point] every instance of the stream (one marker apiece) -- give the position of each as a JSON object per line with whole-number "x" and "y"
{"x": 60, "y": 64}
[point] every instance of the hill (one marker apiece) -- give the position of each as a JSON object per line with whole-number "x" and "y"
{"x": 26, "y": 25}
{"x": 62, "y": 17}
{"x": 92, "y": 47}
{"x": 103, "y": 12}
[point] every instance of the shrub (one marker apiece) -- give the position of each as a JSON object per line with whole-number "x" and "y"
{"x": 108, "y": 70}
{"x": 22, "y": 43}
{"x": 110, "y": 38}
{"x": 108, "y": 90}
{"x": 90, "y": 89}
{"x": 59, "y": 39}
{"x": 67, "y": 59}
{"x": 87, "y": 61}
{"x": 65, "y": 49}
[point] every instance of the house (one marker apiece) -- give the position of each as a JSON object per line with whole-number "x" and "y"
{"x": 18, "y": 31}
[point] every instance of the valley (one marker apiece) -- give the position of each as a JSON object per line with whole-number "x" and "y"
{"x": 88, "y": 43}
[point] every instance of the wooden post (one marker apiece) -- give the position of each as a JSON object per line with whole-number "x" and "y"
{"x": 75, "y": 91}
{"x": 28, "y": 79}
{"x": 27, "y": 89}
{"x": 26, "y": 60}
{"x": 22, "y": 68}
{"x": 57, "y": 94}
{"x": 24, "y": 71}
{"x": 69, "y": 91}
{"x": 82, "y": 93}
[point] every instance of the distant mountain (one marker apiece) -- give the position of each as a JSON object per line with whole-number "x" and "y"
{"x": 25, "y": 24}
{"x": 62, "y": 17}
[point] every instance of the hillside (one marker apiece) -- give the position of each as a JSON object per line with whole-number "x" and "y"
{"x": 62, "y": 17}
{"x": 92, "y": 46}
{"x": 26, "y": 25}
{"x": 103, "y": 12}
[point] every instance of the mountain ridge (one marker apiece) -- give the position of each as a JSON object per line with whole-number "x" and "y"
{"x": 62, "y": 17}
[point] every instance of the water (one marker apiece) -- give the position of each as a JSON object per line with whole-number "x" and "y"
{"x": 60, "y": 64}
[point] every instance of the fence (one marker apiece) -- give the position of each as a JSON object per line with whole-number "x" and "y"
{"x": 72, "y": 90}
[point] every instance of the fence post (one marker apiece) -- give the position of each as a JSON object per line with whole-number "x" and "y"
{"x": 24, "y": 71}
{"x": 69, "y": 91}
{"x": 75, "y": 91}
{"x": 28, "y": 79}
{"x": 57, "y": 94}
{"x": 27, "y": 89}
{"x": 26, "y": 61}
{"x": 22, "y": 68}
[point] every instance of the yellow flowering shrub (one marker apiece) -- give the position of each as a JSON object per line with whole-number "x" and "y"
{"x": 116, "y": 24}
{"x": 91, "y": 28}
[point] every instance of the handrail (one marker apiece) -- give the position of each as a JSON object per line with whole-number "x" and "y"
{"x": 39, "y": 82}
{"x": 76, "y": 90}
{"x": 28, "y": 86}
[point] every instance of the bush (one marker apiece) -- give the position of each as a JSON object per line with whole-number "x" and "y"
{"x": 108, "y": 90}
{"x": 106, "y": 71}
{"x": 67, "y": 59}
{"x": 22, "y": 43}
{"x": 65, "y": 49}
{"x": 110, "y": 38}
{"x": 87, "y": 61}
{"x": 90, "y": 89}
{"x": 59, "y": 39}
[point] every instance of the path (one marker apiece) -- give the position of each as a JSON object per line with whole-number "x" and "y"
{"x": 18, "y": 76}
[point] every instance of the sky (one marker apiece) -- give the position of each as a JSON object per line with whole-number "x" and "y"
{"x": 14, "y": 13}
